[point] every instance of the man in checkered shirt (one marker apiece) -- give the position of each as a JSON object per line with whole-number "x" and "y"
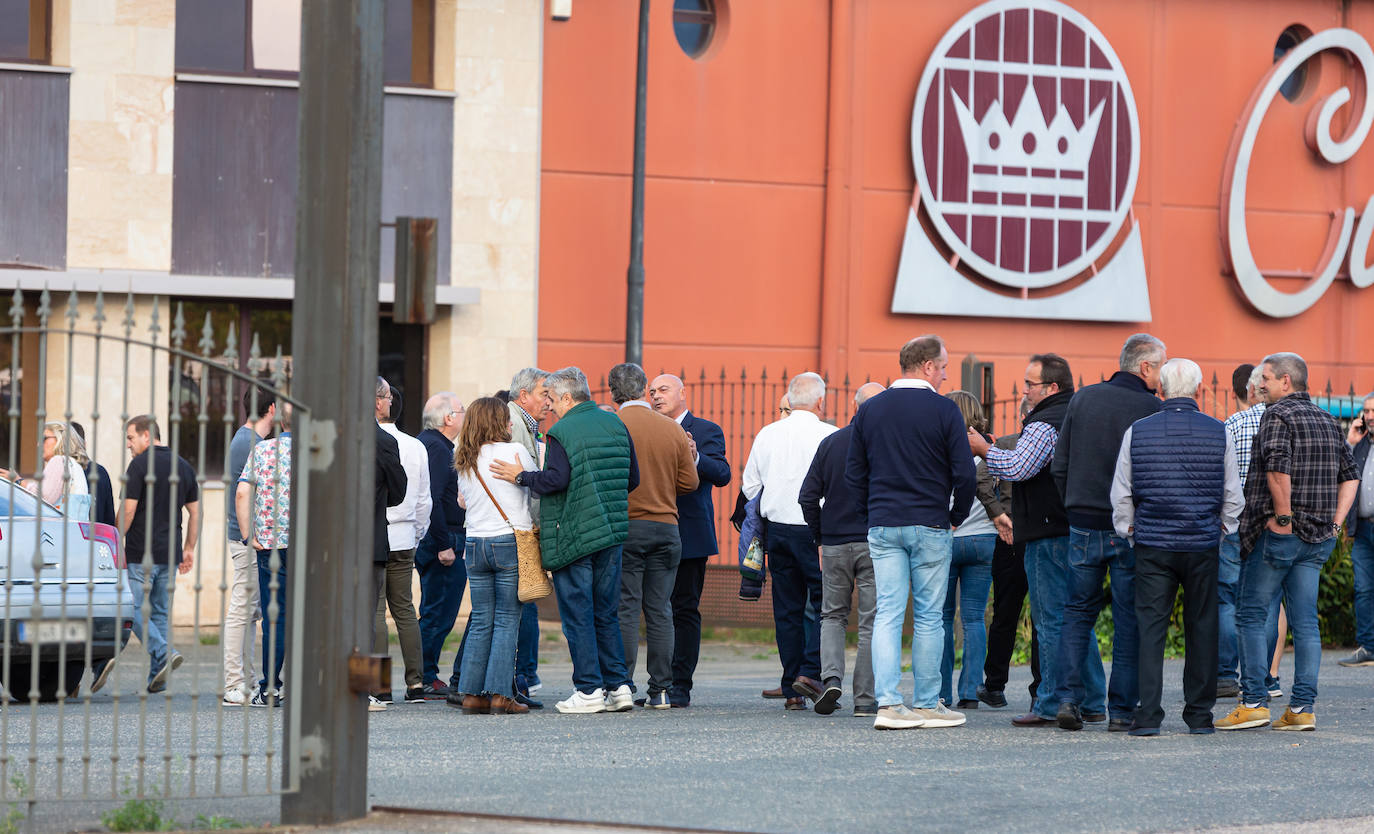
{"x": 1300, "y": 485}
{"x": 1240, "y": 428}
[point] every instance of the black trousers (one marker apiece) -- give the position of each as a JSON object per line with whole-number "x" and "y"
{"x": 686, "y": 599}
{"x": 1008, "y": 596}
{"x": 1158, "y": 576}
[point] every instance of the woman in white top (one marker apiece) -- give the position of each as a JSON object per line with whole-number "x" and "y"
{"x": 487, "y": 677}
{"x": 63, "y": 453}
{"x": 970, "y": 574}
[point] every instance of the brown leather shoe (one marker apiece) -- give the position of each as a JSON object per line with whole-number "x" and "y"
{"x": 773, "y": 693}
{"x": 795, "y": 703}
{"x": 501, "y": 705}
{"x": 806, "y": 686}
{"x": 1030, "y": 719}
{"x": 476, "y": 705}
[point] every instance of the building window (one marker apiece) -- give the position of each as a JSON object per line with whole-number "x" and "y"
{"x": 263, "y": 38}
{"x": 1295, "y": 87}
{"x": 270, "y": 324}
{"x": 24, "y": 31}
{"x": 694, "y": 24}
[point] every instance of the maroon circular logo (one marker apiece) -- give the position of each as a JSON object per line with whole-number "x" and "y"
{"x": 1026, "y": 142}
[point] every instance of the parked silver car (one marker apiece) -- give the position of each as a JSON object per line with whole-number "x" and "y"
{"x": 79, "y": 597}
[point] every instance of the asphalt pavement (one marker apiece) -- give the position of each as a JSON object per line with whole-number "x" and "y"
{"x": 732, "y": 761}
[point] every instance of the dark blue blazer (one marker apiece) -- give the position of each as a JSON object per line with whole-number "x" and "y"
{"x": 696, "y": 513}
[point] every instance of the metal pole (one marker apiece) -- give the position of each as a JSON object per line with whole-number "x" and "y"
{"x": 334, "y": 342}
{"x": 634, "y": 298}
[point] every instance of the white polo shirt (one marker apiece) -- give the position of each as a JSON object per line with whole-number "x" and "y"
{"x": 779, "y": 461}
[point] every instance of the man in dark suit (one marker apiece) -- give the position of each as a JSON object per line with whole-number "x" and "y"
{"x": 696, "y": 526}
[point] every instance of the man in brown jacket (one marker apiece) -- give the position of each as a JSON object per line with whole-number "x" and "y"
{"x": 653, "y": 548}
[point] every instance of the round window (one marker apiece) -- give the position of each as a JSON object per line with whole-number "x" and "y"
{"x": 1295, "y": 86}
{"x": 694, "y": 23}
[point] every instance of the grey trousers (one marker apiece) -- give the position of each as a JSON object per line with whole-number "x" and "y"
{"x": 844, "y": 566}
{"x": 648, "y": 571}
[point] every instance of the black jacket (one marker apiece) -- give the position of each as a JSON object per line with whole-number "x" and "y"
{"x": 446, "y": 518}
{"x": 1037, "y": 511}
{"x": 391, "y": 490}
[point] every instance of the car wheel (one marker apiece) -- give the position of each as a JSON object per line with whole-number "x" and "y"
{"x": 21, "y": 672}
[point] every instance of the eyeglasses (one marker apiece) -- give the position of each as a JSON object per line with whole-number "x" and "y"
{"x": 48, "y": 437}
{"x": 456, "y": 413}
{"x": 784, "y": 411}
{"x": 1030, "y": 384}
{"x": 387, "y": 397}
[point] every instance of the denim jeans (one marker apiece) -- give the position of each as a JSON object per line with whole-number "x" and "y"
{"x": 1292, "y": 566}
{"x": 153, "y": 580}
{"x": 970, "y": 579}
{"x": 795, "y": 564}
{"x": 1047, "y": 581}
{"x": 441, "y": 594}
{"x": 273, "y": 602}
{"x": 1362, "y": 560}
{"x": 648, "y": 569}
{"x": 1092, "y": 553}
{"x": 910, "y": 560}
{"x": 493, "y": 579}
{"x": 527, "y": 644}
{"x": 588, "y": 594}
{"x": 1228, "y": 584}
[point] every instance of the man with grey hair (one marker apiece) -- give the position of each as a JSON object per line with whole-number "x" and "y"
{"x": 1359, "y": 526}
{"x": 653, "y": 545}
{"x": 841, "y": 526}
{"x": 1084, "y": 460}
{"x": 777, "y": 465}
{"x": 443, "y": 575}
{"x": 1240, "y": 428}
{"x": 529, "y": 404}
{"x": 1300, "y": 487}
{"x": 1175, "y": 489}
{"x": 589, "y": 471}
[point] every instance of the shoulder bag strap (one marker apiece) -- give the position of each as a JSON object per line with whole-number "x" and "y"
{"x": 494, "y": 503}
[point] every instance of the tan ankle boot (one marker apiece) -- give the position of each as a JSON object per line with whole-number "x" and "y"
{"x": 476, "y": 705}
{"x": 509, "y": 706}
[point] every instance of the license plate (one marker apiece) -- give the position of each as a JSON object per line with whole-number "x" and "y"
{"x": 60, "y": 632}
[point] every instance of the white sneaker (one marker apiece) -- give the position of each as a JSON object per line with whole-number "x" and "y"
{"x": 374, "y": 705}
{"x": 580, "y": 703}
{"x": 235, "y": 698}
{"x": 897, "y": 717}
{"x": 620, "y": 699}
{"x": 940, "y": 716}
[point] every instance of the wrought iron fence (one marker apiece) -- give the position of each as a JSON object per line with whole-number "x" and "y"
{"x": 68, "y": 601}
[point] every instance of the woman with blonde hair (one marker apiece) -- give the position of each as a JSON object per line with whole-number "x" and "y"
{"x": 64, "y": 474}
{"x": 495, "y": 510}
{"x": 970, "y": 572}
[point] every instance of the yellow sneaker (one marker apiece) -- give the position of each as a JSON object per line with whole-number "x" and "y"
{"x": 1290, "y": 720}
{"x": 1243, "y": 718}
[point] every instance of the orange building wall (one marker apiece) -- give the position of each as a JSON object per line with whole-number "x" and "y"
{"x": 739, "y": 144}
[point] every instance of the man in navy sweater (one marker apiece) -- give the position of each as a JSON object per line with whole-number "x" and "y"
{"x": 908, "y": 454}
{"x": 841, "y": 526}
{"x": 1084, "y": 461}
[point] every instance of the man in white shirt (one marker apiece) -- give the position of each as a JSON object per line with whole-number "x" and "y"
{"x": 778, "y": 463}
{"x": 406, "y": 525}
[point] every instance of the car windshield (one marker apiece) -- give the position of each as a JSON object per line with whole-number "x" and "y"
{"x": 16, "y": 501}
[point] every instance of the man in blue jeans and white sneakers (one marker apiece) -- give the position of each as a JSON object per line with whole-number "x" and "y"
{"x": 908, "y": 454}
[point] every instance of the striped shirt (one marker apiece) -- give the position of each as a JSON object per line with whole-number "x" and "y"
{"x": 1031, "y": 454}
{"x": 1241, "y": 428}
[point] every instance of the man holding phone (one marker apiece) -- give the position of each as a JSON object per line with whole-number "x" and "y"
{"x": 1359, "y": 526}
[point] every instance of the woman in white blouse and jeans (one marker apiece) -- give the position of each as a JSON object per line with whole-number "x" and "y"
{"x": 487, "y": 677}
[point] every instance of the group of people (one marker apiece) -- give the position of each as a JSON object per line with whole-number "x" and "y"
{"x": 1124, "y": 479}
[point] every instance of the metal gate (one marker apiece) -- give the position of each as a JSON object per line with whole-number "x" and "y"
{"x": 70, "y": 588}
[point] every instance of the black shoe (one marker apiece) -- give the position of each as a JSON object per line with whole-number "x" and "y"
{"x": 525, "y": 700}
{"x": 1142, "y": 730}
{"x": 1069, "y": 717}
{"x": 1094, "y": 717}
{"x": 829, "y": 699}
{"x": 454, "y": 698}
{"x": 965, "y": 703}
{"x": 992, "y": 697}
{"x": 642, "y": 700}
{"x": 1228, "y": 689}
{"x": 416, "y": 695}
{"x": 1119, "y": 725}
{"x": 435, "y": 691}
{"x": 384, "y": 697}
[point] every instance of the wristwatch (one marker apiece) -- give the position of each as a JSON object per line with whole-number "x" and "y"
{"x": 519, "y": 479}
{"x": 1283, "y": 520}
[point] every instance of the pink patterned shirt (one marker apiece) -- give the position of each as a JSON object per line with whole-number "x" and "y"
{"x": 269, "y": 469}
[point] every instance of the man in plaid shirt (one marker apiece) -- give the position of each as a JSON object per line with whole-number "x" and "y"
{"x": 1300, "y": 485}
{"x": 1240, "y": 429}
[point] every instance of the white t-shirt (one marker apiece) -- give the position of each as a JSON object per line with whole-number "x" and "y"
{"x": 483, "y": 521}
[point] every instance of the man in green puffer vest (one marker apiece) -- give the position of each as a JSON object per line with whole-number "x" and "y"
{"x": 589, "y": 470}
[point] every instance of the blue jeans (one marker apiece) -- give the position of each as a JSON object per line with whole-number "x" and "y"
{"x": 441, "y": 594}
{"x": 273, "y": 602}
{"x": 1092, "y": 553}
{"x": 154, "y": 639}
{"x": 909, "y": 560}
{"x": 1292, "y": 566}
{"x": 527, "y": 645}
{"x": 1228, "y": 583}
{"x": 493, "y": 575}
{"x": 970, "y": 579}
{"x": 1362, "y": 560}
{"x": 1047, "y": 582}
{"x": 588, "y": 594}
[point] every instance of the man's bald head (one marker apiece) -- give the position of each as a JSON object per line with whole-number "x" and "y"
{"x": 444, "y": 413}
{"x": 867, "y": 390}
{"x": 668, "y": 396}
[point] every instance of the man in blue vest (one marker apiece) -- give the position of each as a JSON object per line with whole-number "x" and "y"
{"x": 1175, "y": 491}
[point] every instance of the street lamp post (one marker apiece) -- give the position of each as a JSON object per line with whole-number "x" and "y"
{"x": 634, "y": 297}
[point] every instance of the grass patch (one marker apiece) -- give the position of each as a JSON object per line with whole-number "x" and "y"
{"x": 209, "y": 638}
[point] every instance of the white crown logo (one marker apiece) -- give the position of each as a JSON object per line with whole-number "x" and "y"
{"x": 1042, "y": 149}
